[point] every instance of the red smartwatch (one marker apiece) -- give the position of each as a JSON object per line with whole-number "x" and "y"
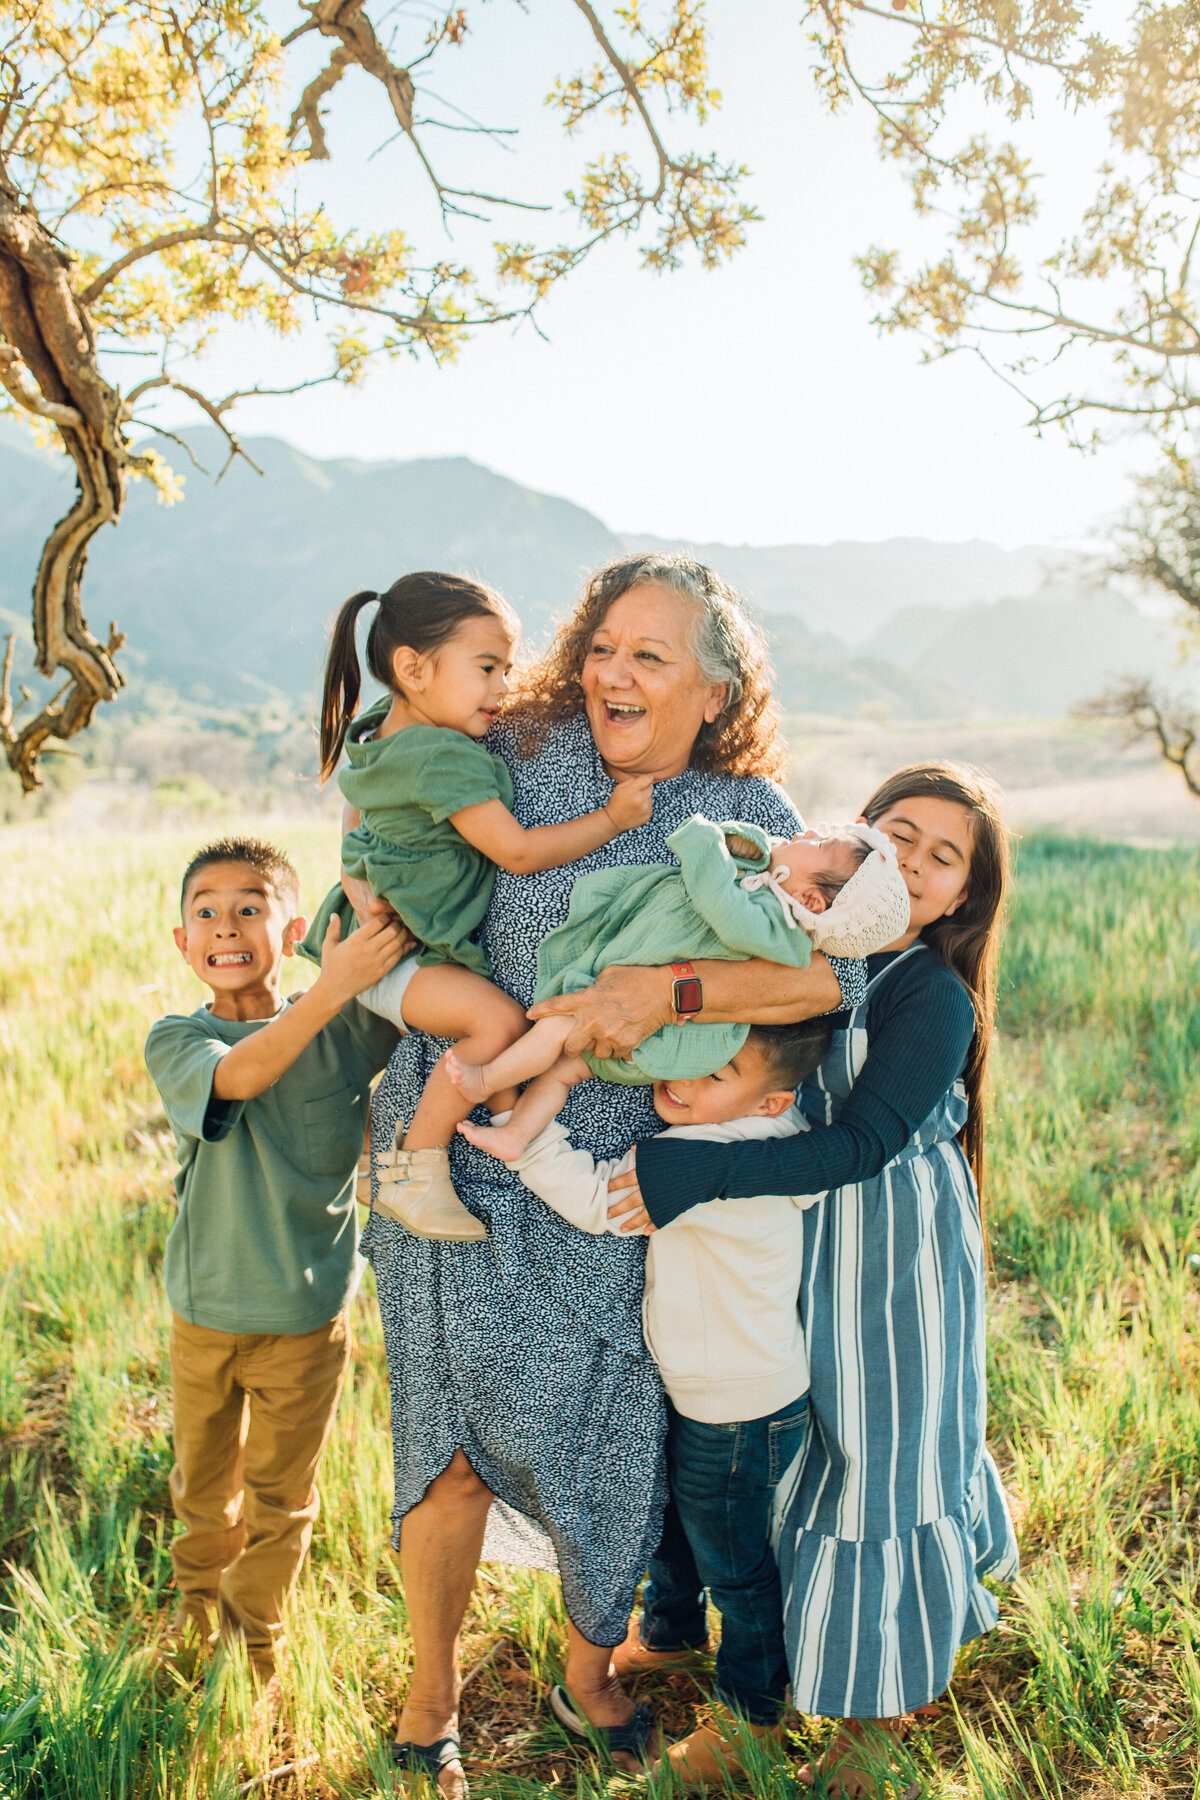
{"x": 687, "y": 992}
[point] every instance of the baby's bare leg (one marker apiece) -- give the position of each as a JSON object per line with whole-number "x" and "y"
{"x": 532, "y": 1054}
{"x": 449, "y": 1001}
{"x": 542, "y": 1101}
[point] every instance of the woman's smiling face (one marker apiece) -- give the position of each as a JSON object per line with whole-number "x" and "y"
{"x": 645, "y": 695}
{"x": 933, "y": 847}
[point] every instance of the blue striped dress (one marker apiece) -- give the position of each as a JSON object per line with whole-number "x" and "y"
{"x": 887, "y": 1524}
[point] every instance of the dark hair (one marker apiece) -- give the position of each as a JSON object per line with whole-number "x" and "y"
{"x": 269, "y": 862}
{"x": 419, "y": 612}
{"x": 791, "y": 1052}
{"x": 829, "y": 885}
{"x": 728, "y": 645}
{"x": 969, "y": 939}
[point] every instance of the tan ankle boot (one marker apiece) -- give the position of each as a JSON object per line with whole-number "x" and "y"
{"x": 415, "y": 1189}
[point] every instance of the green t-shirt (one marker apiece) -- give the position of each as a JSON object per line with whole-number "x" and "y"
{"x": 266, "y": 1232}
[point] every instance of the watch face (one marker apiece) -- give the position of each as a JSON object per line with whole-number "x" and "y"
{"x": 689, "y": 995}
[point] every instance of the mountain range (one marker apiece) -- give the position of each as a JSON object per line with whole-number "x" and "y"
{"x": 226, "y": 598}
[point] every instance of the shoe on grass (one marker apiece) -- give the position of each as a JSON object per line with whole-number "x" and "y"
{"x": 635, "y": 1658}
{"x": 712, "y": 1751}
{"x": 188, "y": 1640}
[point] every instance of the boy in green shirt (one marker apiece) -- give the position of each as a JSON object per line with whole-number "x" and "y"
{"x": 268, "y": 1100}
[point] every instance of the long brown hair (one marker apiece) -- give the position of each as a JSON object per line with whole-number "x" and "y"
{"x": 419, "y": 612}
{"x": 726, "y": 642}
{"x": 969, "y": 939}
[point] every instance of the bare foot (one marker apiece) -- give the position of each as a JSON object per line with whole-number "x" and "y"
{"x": 469, "y": 1078}
{"x": 856, "y": 1762}
{"x": 497, "y": 1140}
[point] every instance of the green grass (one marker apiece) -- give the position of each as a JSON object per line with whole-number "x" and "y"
{"x": 1091, "y": 1685}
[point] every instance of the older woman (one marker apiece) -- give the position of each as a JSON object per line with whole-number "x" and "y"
{"x": 517, "y": 1366}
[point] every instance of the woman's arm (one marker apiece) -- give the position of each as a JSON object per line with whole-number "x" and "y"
{"x": 626, "y": 1004}
{"x": 525, "y": 850}
{"x": 919, "y": 1042}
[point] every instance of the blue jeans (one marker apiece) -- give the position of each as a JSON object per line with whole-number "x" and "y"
{"x": 717, "y": 1535}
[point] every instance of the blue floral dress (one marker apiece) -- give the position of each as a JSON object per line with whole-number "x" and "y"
{"x": 526, "y": 1350}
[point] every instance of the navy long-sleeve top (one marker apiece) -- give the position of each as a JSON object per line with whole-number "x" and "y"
{"x": 919, "y": 1027}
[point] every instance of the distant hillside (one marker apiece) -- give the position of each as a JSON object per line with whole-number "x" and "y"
{"x": 819, "y": 675}
{"x": 228, "y": 595}
{"x": 226, "y": 598}
{"x": 234, "y": 588}
{"x": 1033, "y": 658}
{"x": 851, "y": 589}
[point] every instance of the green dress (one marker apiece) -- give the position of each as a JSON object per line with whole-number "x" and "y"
{"x": 652, "y": 914}
{"x": 406, "y": 786}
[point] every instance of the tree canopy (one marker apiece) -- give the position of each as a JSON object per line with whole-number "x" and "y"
{"x": 1103, "y": 324}
{"x": 152, "y": 160}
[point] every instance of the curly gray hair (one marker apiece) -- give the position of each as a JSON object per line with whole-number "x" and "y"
{"x": 727, "y": 643}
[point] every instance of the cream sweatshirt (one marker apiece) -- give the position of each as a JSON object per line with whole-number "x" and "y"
{"x": 722, "y": 1281}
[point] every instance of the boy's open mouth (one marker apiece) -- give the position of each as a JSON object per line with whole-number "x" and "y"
{"x": 671, "y": 1099}
{"x": 229, "y": 959}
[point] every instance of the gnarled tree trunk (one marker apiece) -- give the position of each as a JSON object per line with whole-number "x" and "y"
{"x": 48, "y": 362}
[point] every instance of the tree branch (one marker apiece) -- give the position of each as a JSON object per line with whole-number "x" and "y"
{"x": 665, "y": 164}
{"x": 1146, "y": 713}
{"x": 20, "y": 384}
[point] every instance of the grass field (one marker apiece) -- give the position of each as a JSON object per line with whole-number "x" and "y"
{"x": 1090, "y": 1687}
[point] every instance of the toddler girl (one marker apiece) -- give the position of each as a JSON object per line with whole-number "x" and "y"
{"x": 434, "y": 821}
{"x": 736, "y": 893}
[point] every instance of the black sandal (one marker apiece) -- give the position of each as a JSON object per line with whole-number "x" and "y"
{"x": 428, "y": 1759}
{"x": 634, "y": 1738}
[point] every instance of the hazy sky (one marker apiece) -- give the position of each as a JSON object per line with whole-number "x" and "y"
{"x": 754, "y": 405}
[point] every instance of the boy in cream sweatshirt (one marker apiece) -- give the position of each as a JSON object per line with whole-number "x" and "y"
{"x": 721, "y": 1320}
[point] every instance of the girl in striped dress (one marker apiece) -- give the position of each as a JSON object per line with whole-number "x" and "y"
{"x": 889, "y": 1521}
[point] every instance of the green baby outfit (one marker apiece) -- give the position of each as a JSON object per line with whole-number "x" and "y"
{"x": 406, "y": 786}
{"x": 652, "y": 914}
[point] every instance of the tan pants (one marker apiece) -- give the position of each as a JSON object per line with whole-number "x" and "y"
{"x": 252, "y": 1415}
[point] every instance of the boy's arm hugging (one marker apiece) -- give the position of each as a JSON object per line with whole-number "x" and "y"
{"x": 347, "y": 967}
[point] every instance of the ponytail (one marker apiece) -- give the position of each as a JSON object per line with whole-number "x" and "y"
{"x": 419, "y": 612}
{"x": 343, "y": 681}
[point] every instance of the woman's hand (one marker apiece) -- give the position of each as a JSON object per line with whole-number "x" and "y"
{"x": 627, "y": 1207}
{"x": 612, "y": 1018}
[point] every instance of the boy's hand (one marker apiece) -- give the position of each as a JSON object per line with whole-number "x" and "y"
{"x": 365, "y": 956}
{"x": 627, "y": 1206}
{"x": 631, "y": 803}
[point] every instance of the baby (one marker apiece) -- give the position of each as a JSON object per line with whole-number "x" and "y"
{"x": 735, "y": 894}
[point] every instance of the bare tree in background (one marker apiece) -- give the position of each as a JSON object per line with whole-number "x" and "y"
{"x": 1159, "y": 544}
{"x": 151, "y": 189}
{"x": 1097, "y": 328}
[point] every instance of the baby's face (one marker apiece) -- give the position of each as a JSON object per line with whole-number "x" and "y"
{"x": 809, "y": 855}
